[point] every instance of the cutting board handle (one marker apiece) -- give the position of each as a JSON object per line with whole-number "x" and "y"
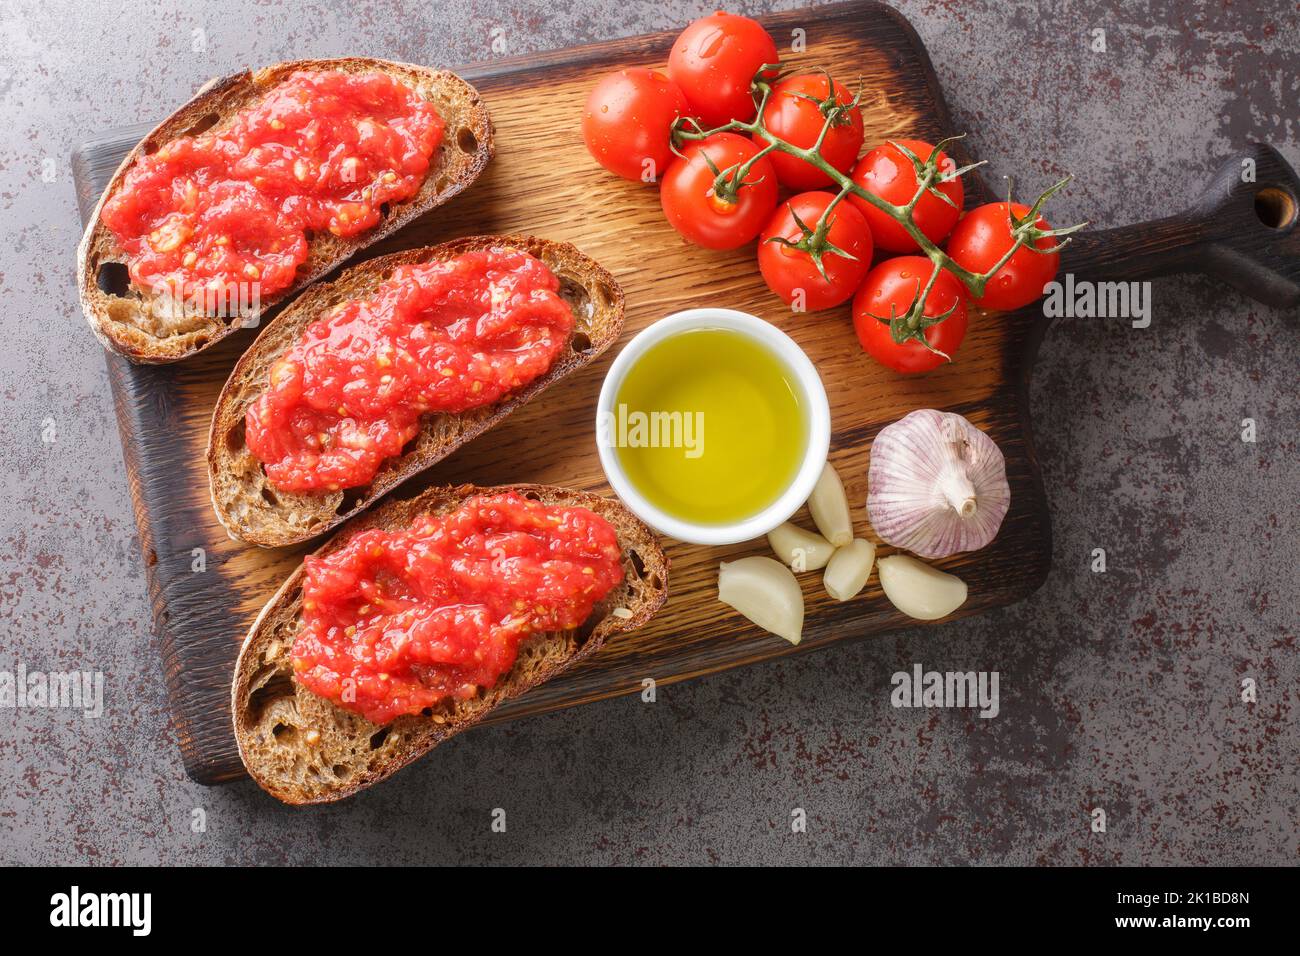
{"x": 1242, "y": 230}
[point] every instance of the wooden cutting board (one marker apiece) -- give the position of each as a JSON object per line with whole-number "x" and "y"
{"x": 205, "y": 589}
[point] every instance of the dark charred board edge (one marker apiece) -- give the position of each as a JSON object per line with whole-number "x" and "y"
{"x": 142, "y": 398}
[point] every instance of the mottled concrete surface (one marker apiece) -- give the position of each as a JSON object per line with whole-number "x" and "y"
{"x": 1119, "y": 690}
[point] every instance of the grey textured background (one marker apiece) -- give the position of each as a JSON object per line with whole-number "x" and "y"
{"x": 1119, "y": 690}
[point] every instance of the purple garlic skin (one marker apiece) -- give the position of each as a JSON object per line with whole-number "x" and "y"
{"x": 937, "y": 485}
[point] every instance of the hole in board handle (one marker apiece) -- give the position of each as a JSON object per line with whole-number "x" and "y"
{"x": 1276, "y": 208}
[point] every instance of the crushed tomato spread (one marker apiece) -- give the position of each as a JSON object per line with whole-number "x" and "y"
{"x": 434, "y": 337}
{"x": 396, "y": 621}
{"x": 322, "y": 151}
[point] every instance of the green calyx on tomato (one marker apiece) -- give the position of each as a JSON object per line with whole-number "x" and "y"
{"x": 727, "y": 183}
{"x": 714, "y": 60}
{"x": 910, "y": 324}
{"x": 719, "y": 192}
{"x": 1006, "y": 252}
{"x": 935, "y": 184}
{"x": 812, "y": 111}
{"x": 815, "y": 243}
{"x": 814, "y": 269}
{"x": 895, "y": 172}
{"x": 936, "y": 169}
{"x": 836, "y": 110}
{"x": 895, "y": 287}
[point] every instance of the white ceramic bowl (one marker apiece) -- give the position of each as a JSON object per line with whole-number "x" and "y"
{"x": 815, "y": 404}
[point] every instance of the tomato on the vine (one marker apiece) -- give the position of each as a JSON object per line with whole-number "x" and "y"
{"x": 706, "y": 218}
{"x": 983, "y": 236}
{"x": 793, "y": 113}
{"x": 890, "y": 289}
{"x": 887, "y": 173}
{"x": 628, "y": 122}
{"x": 792, "y": 274}
{"x": 714, "y": 60}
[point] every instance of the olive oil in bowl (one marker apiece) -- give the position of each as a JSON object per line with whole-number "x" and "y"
{"x": 710, "y": 426}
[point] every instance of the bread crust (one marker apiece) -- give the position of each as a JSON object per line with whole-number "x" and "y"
{"x": 303, "y": 749}
{"x": 252, "y": 510}
{"x": 135, "y": 325}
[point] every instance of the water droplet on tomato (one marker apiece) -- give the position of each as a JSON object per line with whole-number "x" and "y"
{"x": 711, "y": 42}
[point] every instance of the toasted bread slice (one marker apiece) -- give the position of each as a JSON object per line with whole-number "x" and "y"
{"x": 135, "y": 324}
{"x": 252, "y": 510}
{"x": 302, "y": 748}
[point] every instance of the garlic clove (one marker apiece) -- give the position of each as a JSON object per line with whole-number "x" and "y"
{"x": 829, "y": 507}
{"x": 848, "y": 569}
{"x": 919, "y": 590}
{"x": 801, "y": 550}
{"x": 765, "y": 591}
{"x": 936, "y": 485}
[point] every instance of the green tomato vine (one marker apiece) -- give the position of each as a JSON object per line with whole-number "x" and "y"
{"x": 912, "y": 324}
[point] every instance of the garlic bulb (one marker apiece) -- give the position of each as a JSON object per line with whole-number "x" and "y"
{"x": 936, "y": 485}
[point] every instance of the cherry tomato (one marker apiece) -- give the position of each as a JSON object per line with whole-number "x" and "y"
{"x": 628, "y": 120}
{"x": 788, "y": 272}
{"x": 701, "y": 216}
{"x": 791, "y": 115}
{"x": 983, "y": 236}
{"x": 896, "y": 283}
{"x": 887, "y": 173}
{"x": 714, "y": 61}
